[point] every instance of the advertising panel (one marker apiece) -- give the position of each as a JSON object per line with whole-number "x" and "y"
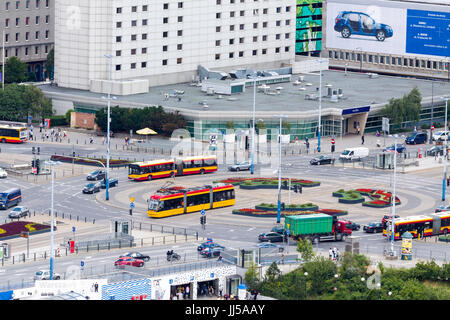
{"x": 391, "y": 30}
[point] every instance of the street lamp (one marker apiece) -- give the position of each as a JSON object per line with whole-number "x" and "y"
{"x": 320, "y": 104}
{"x": 52, "y": 164}
{"x": 253, "y": 126}
{"x": 445, "y": 149}
{"x": 279, "y": 172}
{"x": 109, "y": 57}
{"x": 336, "y": 276}
{"x": 306, "y": 274}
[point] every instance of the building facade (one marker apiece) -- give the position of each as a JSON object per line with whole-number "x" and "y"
{"x": 163, "y": 42}
{"x": 308, "y": 27}
{"x": 28, "y": 30}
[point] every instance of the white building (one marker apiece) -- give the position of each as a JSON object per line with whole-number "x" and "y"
{"x": 164, "y": 41}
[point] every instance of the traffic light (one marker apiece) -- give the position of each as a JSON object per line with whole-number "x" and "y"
{"x": 33, "y": 164}
{"x": 38, "y": 150}
{"x": 33, "y": 150}
{"x": 37, "y": 166}
{"x": 203, "y": 220}
{"x": 283, "y": 206}
{"x": 295, "y": 188}
{"x": 332, "y": 148}
{"x": 285, "y": 183}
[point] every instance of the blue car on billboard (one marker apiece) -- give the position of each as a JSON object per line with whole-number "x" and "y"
{"x": 351, "y": 22}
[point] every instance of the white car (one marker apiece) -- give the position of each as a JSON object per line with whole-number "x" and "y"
{"x": 3, "y": 173}
{"x": 440, "y": 135}
{"x": 45, "y": 275}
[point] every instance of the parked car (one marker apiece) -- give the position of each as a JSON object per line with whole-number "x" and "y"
{"x": 271, "y": 236}
{"x": 388, "y": 217}
{"x": 278, "y": 229}
{"x": 96, "y": 175}
{"x": 112, "y": 183}
{"x": 136, "y": 255}
{"x": 3, "y": 173}
{"x": 417, "y": 138}
{"x": 269, "y": 245}
{"x": 18, "y": 212}
{"x": 373, "y": 227}
{"x": 442, "y": 135}
{"x": 400, "y": 148}
{"x": 350, "y": 22}
{"x": 206, "y": 244}
{"x": 209, "y": 252}
{"x": 129, "y": 261}
{"x": 91, "y": 188}
{"x": 353, "y": 225}
{"x": 239, "y": 166}
{"x": 212, "y": 247}
{"x": 321, "y": 160}
{"x": 45, "y": 275}
{"x": 435, "y": 150}
{"x": 442, "y": 208}
{"x": 354, "y": 153}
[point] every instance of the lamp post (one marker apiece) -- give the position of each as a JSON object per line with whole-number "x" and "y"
{"x": 360, "y": 59}
{"x": 52, "y": 164}
{"x": 253, "y": 127}
{"x": 109, "y": 57}
{"x": 432, "y": 109}
{"x": 445, "y": 150}
{"x": 362, "y": 280}
{"x": 393, "y": 195}
{"x": 320, "y": 104}
{"x": 305, "y": 274}
{"x": 279, "y": 172}
{"x": 336, "y": 276}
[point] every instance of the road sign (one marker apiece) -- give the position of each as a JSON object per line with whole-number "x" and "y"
{"x": 385, "y": 124}
{"x": 82, "y": 264}
{"x": 432, "y": 127}
{"x": 131, "y": 205}
{"x": 202, "y": 212}
{"x": 24, "y": 234}
{"x": 131, "y": 199}
{"x": 332, "y": 141}
{"x": 287, "y": 232}
{"x": 73, "y": 229}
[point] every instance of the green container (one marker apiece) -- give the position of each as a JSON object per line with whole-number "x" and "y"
{"x": 309, "y": 224}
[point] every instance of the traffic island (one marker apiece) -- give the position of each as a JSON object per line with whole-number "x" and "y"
{"x": 268, "y": 212}
{"x": 15, "y": 229}
{"x": 268, "y": 183}
{"x": 379, "y": 198}
{"x": 290, "y": 207}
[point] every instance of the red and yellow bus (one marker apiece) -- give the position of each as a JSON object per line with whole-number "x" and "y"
{"x": 178, "y": 200}
{"x": 420, "y": 226}
{"x": 149, "y": 170}
{"x": 13, "y": 133}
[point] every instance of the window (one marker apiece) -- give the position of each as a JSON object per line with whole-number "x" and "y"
{"x": 36, "y": 50}
{"x": 133, "y": 51}
{"x": 119, "y": 10}
{"x": 17, "y": 36}
{"x": 231, "y": 41}
{"x": 144, "y": 50}
{"x": 264, "y": 38}
{"x": 255, "y": 52}
{"x": 164, "y": 62}
{"x": 47, "y": 19}
{"x": 17, "y": 51}
{"x": 217, "y": 56}
{"x": 180, "y": 33}
{"x": 277, "y": 50}
{"x": 118, "y": 39}
{"x": 179, "y": 46}
{"x": 232, "y": 27}
{"x": 288, "y": 22}
{"x": 231, "y": 55}
{"x": 241, "y": 40}
{"x": 288, "y": 9}
{"x": 6, "y": 37}
{"x": 278, "y": 36}
{"x": 133, "y": 23}
{"x": 278, "y": 23}
{"x": 27, "y": 21}
{"x": 134, "y": 9}
{"x": 255, "y": 39}
{"x": 27, "y": 5}
{"x": 144, "y": 36}
{"x": 144, "y": 22}
{"x": 144, "y": 64}
{"x": 6, "y": 23}
{"x": 133, "y": 37}
{"x": 165, "y": 20}
{"x": 17, "y": 22}
{"x": 217, "y": 43}
{"x": 118, "y": 67}
{"x": 180, "y": 5}
{"x": 144, "y": 8}
{"x": 36, "y": 35}
{"x": 7, "y": 6}
{"x": 27, "y": 36}
{"x": 165, "y": 6}
{"x": 218, "y": 15}
{"x": 242, "y": 13}
{"x": 278, "y": 9}
{"x": 264, "y": 51}
{"x": 287, "y": 35}
{"x": 265, "y": 10}
{"x": 264, "y": 24}
{"x": 241, "y": 27}
{"x": 255, "y": 25}
{"x": 37, "y": 4}
{"x": 47, "y": 3}
{"x": 37, "y": 19}
{"x": 255, "y": 12}
{"x": 118, "y": 24}
{"x": 179, "y": 60}
{"x": 241, "y": 54}
{"x": 47, "y": 33}
{"x": 165, "y": 48}
{"x": 165, "y": 34}
{"x": 231, "y": 14}
{"x": 133, "y": 66}
{"x": 217, "y": 29}
{"x": 118, "y": 53}
{"x": 218, "y": 2}
{"x": 26, "y": 51}
{"x": 180, "y": 19}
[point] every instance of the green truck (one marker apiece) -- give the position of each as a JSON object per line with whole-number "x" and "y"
{"x": 317, "y": 227}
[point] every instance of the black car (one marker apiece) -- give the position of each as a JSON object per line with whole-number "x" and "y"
{"x": 322, "y": 160}
{"x": 206, "y": 245}
{"x": 212, "y": 251}
{"x": 96, "y": 175}
{"x": 278, "y": 229}
{"x": 436, "y": 150}
{"x": 271, "y": 236}
{"x": 112, "y": 183}
{"x": 136, "y": 255}
{"x": 373, "y": 227}
{"x": 91, "y": 188}
{"x": 354, "y": 226}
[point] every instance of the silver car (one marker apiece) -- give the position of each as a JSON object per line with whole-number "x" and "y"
{"x": 18, "y": 212}
{"x": 45, "y": 275}
{"x": 3, "y": 173}
{"x": 240, "y": 166}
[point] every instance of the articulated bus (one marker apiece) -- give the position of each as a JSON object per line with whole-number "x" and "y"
{"x": 420, "y": 226}
{"x": 149, "y": 170}
{"x": 13, "y": 132}
{"x": 177, "y": 200}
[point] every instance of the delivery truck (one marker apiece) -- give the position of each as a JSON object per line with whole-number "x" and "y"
{"x": 317, "y": 227}
{"x": 354, "y": 153}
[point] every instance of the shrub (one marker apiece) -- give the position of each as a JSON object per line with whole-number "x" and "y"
{"x": 58, "y": 121}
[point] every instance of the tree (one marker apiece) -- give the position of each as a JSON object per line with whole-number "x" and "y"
{"x": 321, "y": 273}
{"x": 68, "y": 115}
{"x": 404, "y": 109}
{"x": 15, "y": 70}
{"x": 306, "y": 249}
{"x": 251, "y": 277}
{"x": 273, "y": 272}
{"x": 50, "y": 63}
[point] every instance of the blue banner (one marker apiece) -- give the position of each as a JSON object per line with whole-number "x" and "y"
{"x": 355, "y": 110}
{"x": 428, "y": 32}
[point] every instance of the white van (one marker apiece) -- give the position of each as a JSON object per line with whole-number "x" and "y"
{"x": 354, "y": 153}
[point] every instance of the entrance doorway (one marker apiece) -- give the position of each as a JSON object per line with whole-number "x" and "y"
{"x": 208, "y": 288}
{"x": 181, "y": 292}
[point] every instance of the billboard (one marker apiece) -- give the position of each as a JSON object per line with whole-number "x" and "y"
{"x": 391, "y": 30}
{"x": 308, "y": 34}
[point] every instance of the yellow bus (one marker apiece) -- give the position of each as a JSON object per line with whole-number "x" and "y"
{"x": 420, "y": 226}
{"x": 148, "y": 170}
{"x": 178, "y": 200}
{"x": 13, "y": 133}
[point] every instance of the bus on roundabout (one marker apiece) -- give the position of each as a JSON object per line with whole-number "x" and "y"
{"x": 178, "y": 200}
{"x": 149, "y": 170}
{"x": 12, "y": 132}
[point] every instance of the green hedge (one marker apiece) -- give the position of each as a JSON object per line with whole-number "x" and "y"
{"x": 58, "y": 121}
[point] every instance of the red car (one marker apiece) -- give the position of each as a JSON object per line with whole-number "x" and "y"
{"x": 129, "y": 261}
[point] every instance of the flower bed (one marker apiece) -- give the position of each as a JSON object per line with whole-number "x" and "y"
{"x": 292, "y": 207}
{"x": 379, "y": 198}
{"x": 14, "y": 229}
{"x": 269, "y": 183}
{"x": 444, "y": 238}
{"x": 89, "y": 162}
{"x": 269, "y": 213}
{"x": 333, "y": 212}
{"x": 348, "y": 197}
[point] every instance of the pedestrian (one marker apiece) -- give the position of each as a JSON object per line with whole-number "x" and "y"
{"x": 337, "y": 254}
{"x": 330, "y": 254}
{"x": 65, "y": 134}
{"x": 378, "y": 133}
{"x": 307, "y": 146}
{"x": 358, "y": 129}
{"x": 103, "y": 140}
{"x": 91, "y": 140}
{"x": 415, "y": 129}
{"x": 220, "y": 290}
{"x": 52, "y": 132}
{"x": 188, "y": 292}
{"x": 362, "y": 139}
{"x": 40, "y": 127}
{"x": 96, "y": 287}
